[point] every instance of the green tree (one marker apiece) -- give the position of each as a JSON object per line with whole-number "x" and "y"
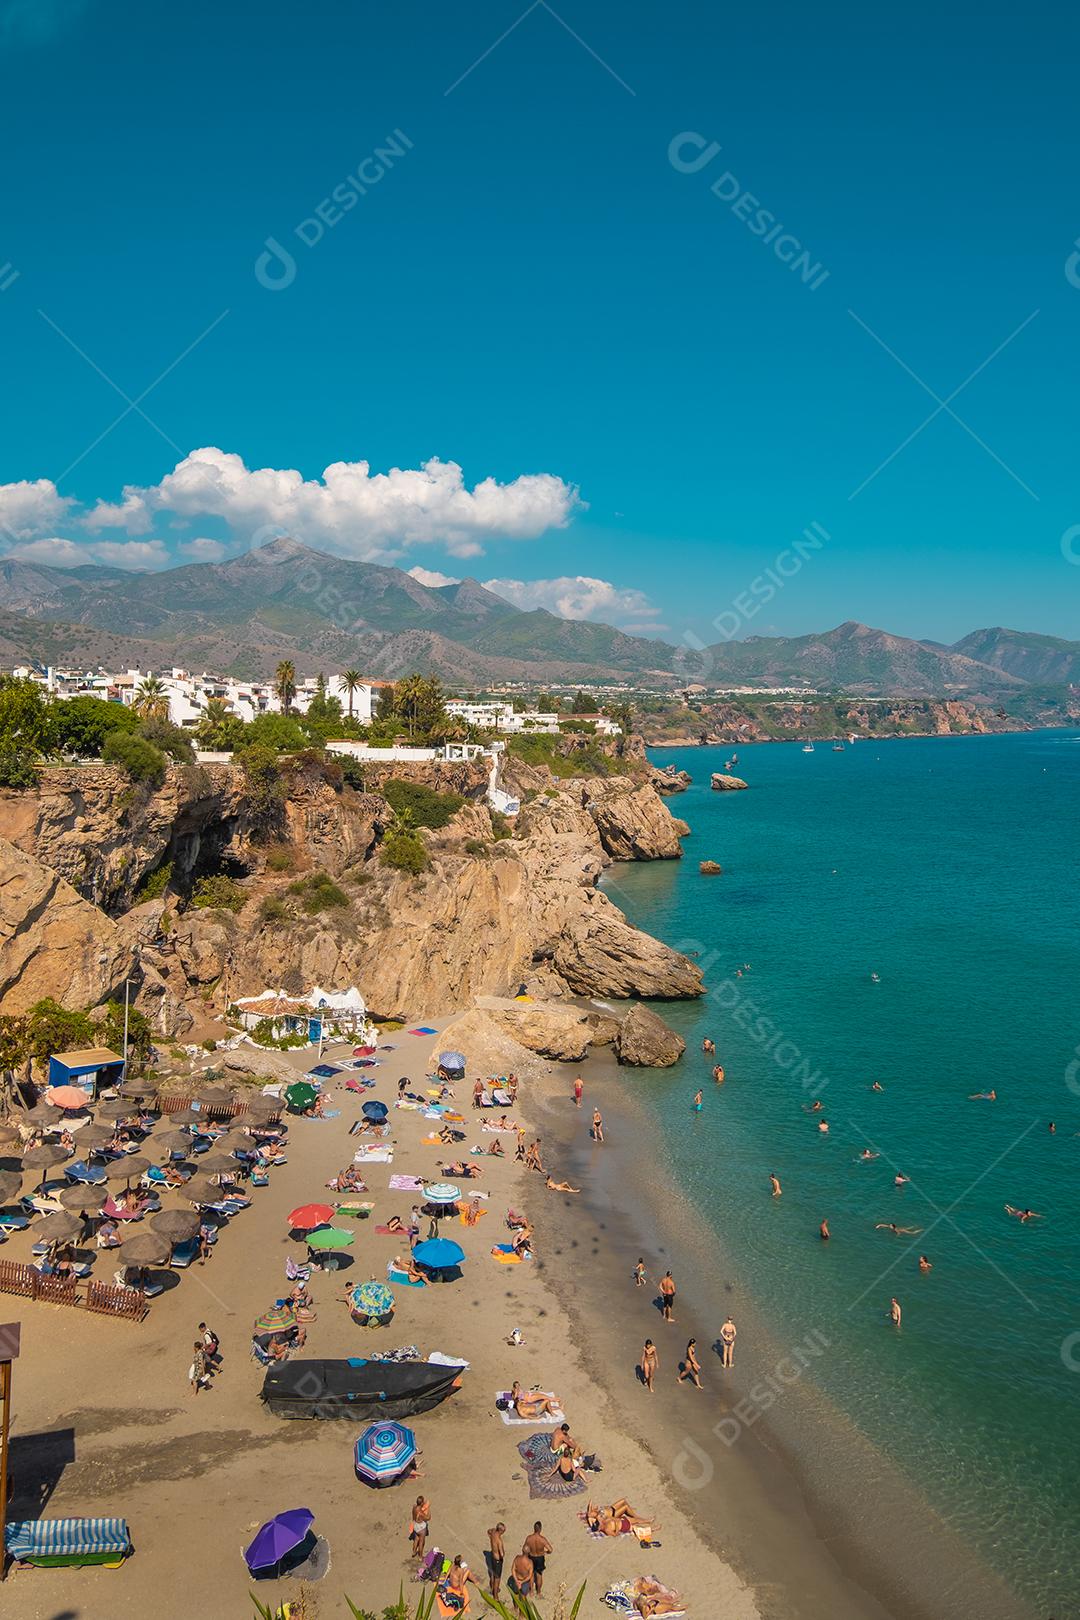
{"x": 82, "y": 723}
{"x": 172, "y": 740}
{"x": 52, "y": 1028}
{"x": 110, "y": 1032}
{"x": 264, "y": 789}
{"x": 285, "y": 684}
{"x": 219, "y": 729}
{"x": 27, "y": 730}
{"x": 138, "y": 757}
{"x": 351, "y": 680}
{"x": 151, "y": 699}
{"x": 583, "y": 704}
{"x": 281, "y": 732}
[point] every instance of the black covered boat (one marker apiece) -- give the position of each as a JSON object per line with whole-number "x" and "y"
{"x": 356, "y": 1389}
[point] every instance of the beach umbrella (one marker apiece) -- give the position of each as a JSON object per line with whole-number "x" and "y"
{"x": 278, "y": 1319}
{"x": 170, "y": 1142}
{"x": 10, "y": 1182}
{"x": 218, "y": 1164}
{"x": 115, "y": 1109}
{"x": 175, "y": 1225}
{"x": 216, "y": 1097}
{"x": 262, "y": 1104}
{"x": 300, "y": 1095}
{"x": 437, "y": 1253}
{"x": 60, "y": 1228}
{"x": 187, "y": 1116}
{"x": 148, "y": 1249}
{"x": 371, "y": 1299}
{"x": 137, "y": 1088}
{"x": 330, "y": 1237}
{"x": 277, "y": 1538}
{"x": 128, "y": 1167}
{"x": 44, "y": 1157}
{"x": 67, "y": 1097}
{"x": 42, "y": 1114}
{"x": 384, "y": 1451}
{"x": 374, "y": 1110}
{"x": 202, "y": 1191}
{"x": 363, "y": 1051}
{"x": 310, "y": 1215}
{"x": 441, "y": 1192}
{"x": 82, "y": 1200}
{"x": 451, "y": 1060}
{"x": 92, "y": 1137}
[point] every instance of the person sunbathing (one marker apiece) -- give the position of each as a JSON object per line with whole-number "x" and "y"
{"x": 522, "y": 1240}
{"x": 472, "y": 1212}
{"x": 617, "y": 1520}
{"x": 532, "y": 1405}
{"x": 350, "y": 1180}
{"x": 171, "y": 1176}
{"x": 410, "y": 1268}
{"x": 561, "y": 1186}
{"x": 394, "y": 1225}
{"x": 496, "y": 1149}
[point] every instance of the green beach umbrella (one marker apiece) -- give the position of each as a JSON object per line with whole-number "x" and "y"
{"x": 300, "y": 1094}
{"x": 330, "y": 1237}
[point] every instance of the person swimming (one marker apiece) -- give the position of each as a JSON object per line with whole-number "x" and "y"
{"x": 777, "y": 1190}
{"x": 897, "y": 1231}
{"x": 866, "y": 1155}
{"x": 899, "y": 1180}
{"x": 982, "y": 1096}
{"x": 823, "y": 1232}
{"x": 877, "y": 1086}
{"x": 823, "y": 1125}
{"x": 924, "y": 1263}
{"x": 1023, "y": 1214}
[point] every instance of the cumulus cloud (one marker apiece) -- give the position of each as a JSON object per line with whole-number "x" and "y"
{"x": 203, "y": 549}
{"x": 139, "y": 555}
{"x": 29, "y": 509}
{"x": 431, "y": 576}
{"x": 579, "y": 597}
{"x": 350, "y": 510}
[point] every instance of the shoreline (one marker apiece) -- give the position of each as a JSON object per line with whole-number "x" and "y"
{"x": 810, "y": 1514}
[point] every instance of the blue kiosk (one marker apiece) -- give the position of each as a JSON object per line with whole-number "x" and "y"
{"x": 95, "y": 1069}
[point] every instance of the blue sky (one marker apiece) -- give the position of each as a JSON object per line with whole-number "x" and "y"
{"x": 619, "y": 351}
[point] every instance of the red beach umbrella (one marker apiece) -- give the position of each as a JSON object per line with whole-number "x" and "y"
{"x": 309, "y": 1215}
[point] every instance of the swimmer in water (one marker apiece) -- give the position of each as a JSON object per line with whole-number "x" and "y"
{"x": 814, "y": 1107}
{"x": 866, "y": 1155}
{"x": 875, "y": 978}
{"x": 718, "y": 1074}
{"x": 898, "y": 1181}
{"x": 697, "y": 1102}
{"x": 823, "y": 1125}
{"x": 924, "y": 1263}
{"x": 897, "y": 1231}
{"x": 982, "y": 1096}
{"x": 1023, "y": 1214}
{"x": 877, "y": 1086}
{"x": 894, "y": 1312}
{"x": 823, "y": 1232}
{"x": 776, "y": 1187}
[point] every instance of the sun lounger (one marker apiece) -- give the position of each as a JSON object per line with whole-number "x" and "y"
{"x": 92, "y": 1174}
{"x": 184, "y": 1253}
{"x": 53, "y": 1543}
{"x": 117, "y": 1212}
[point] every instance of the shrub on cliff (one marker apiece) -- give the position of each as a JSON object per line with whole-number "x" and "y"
{"x": 318, "y": 892}
{"x": 140, "y": 759}
{"x": 169, "y": 738}
{"x": 263, "y": 786}
{"x": 427, "y": 807}
{"x": 405, "y": 852}
{"x": 218, "y": 893}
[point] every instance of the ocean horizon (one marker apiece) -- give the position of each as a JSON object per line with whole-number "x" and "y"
{"x": 904, "y": 913}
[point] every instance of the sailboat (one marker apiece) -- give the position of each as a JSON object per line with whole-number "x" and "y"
{"x": 808, "y": 748}
{"x": 838, "y": 747}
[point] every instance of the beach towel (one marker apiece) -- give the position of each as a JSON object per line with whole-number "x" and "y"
{"x": 620, "y": 1598}
{"x": 406, "y": 1184}
{"x": 442, "y": 1360}
{"x": 401, "y": 1279}
{"x": 446, "y": 1610}
{"x": 539, "y": 1460}
{"x": 470, "y": 1218}
{"x": 510, "y": 1417}
{"x": 324, "y": 1071}
{"x": 430, "y": 1141}
{"x": 373, "y": 1153}
{"x": 422, "y": 1030}
{"x": 504, "y": 1254}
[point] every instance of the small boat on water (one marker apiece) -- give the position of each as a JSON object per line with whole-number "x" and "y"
{"x": 838, "y": 747}
{"x": 808, "y": 748}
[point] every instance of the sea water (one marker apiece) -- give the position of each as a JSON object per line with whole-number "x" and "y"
{"x": 950, "y": 869}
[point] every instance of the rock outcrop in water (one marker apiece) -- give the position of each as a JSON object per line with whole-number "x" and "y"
{"x": 722, "y": 783}
{"x": 646, "y": 1041}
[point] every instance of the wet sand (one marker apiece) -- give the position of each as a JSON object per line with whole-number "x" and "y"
{"x": 812, "y": 1516}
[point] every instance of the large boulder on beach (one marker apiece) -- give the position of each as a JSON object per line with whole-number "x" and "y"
{"x": 562, "y": 1033}
{"x": 722, "y": 783}
{"x": 645, "y": 1041}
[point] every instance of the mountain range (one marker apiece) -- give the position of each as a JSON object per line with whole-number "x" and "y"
{"x": 285, "y": 600}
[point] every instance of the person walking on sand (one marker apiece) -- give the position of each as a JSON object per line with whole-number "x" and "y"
{"x": 777, "y": 1190}
{"x": 197, "y": 1376}
{"x": 639, "y": 1274}
{"x": 667, "y": 1295}
{"x": 650, "y": 1363}
{"x": 579, "y": 1087}
{"x": 597, "y": 1126}
{"x": 537, "y": 1546}
{"x": 495, "y": 1555}
{"x": 895, "y": 1312}
{"x": 691, "y": 1367}
{"x": 418, "y": 1525}
{"x": 727, "y": 1344}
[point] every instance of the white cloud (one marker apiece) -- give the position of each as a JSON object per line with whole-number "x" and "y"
{"x": 33, "y": 508}
{"x": 432, "y": 577}
{"x": 203, "y": 549}
{"x": 350, "y": 510}
{"x": 579, "y": 597}
{"x": 58, "y": 553}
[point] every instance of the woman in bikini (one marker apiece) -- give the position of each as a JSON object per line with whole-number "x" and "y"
{"x": 617, "y": 1520}
{"x": 532, "y": 1405}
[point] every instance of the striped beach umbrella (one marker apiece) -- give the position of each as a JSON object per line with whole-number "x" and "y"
{"x": 384, "y": 1451}
{"x": 441, "y": 1192}
{"x": 278, "y": 1319}
{"x": 330, "y": 1237}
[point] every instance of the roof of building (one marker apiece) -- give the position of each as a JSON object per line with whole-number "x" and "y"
{"x": 90, "y": 1058}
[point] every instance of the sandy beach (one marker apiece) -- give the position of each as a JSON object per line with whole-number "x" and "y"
{"x": 104, "y": 1421}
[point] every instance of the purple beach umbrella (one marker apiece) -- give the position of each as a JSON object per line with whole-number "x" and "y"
{"x": 277, "y": 1538}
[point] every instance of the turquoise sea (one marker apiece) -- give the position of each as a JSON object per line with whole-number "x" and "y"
{"x": 950, "y": 867}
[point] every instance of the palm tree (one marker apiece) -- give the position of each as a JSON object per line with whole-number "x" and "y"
{"x": 350, "y": 680}
{"x": 151, "y": 699}
{"x": 285, "y": 680}
{"x": 409, "y": 697}
{"x": 212, "y": 727}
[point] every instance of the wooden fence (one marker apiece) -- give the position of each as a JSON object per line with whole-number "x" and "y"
{"x": 104, "y": 1298}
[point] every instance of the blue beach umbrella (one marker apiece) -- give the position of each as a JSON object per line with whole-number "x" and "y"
{"x": 384, "y": 1451}
{"x": 438, "y": 1253}
{"x": 374, "y": 1110}
{"x": 277, "y": 1538}
{"x": 371, "y": 1299}
{"x": 452, "y": 1060}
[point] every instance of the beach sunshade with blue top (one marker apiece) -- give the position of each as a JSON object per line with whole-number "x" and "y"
{"x": 441, "y": 1192}
{"x": 300, "y": 1094}
{"x": 371, "y": 1299}
{"x": 452, "y": 1060}
{"x": 374, "y": 1110}
{"x": 438, "y": 1253}
{"x": 277, "y": 1538}
{"x": 330, "y": 1237}
{"x": 384, "y": 1451}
